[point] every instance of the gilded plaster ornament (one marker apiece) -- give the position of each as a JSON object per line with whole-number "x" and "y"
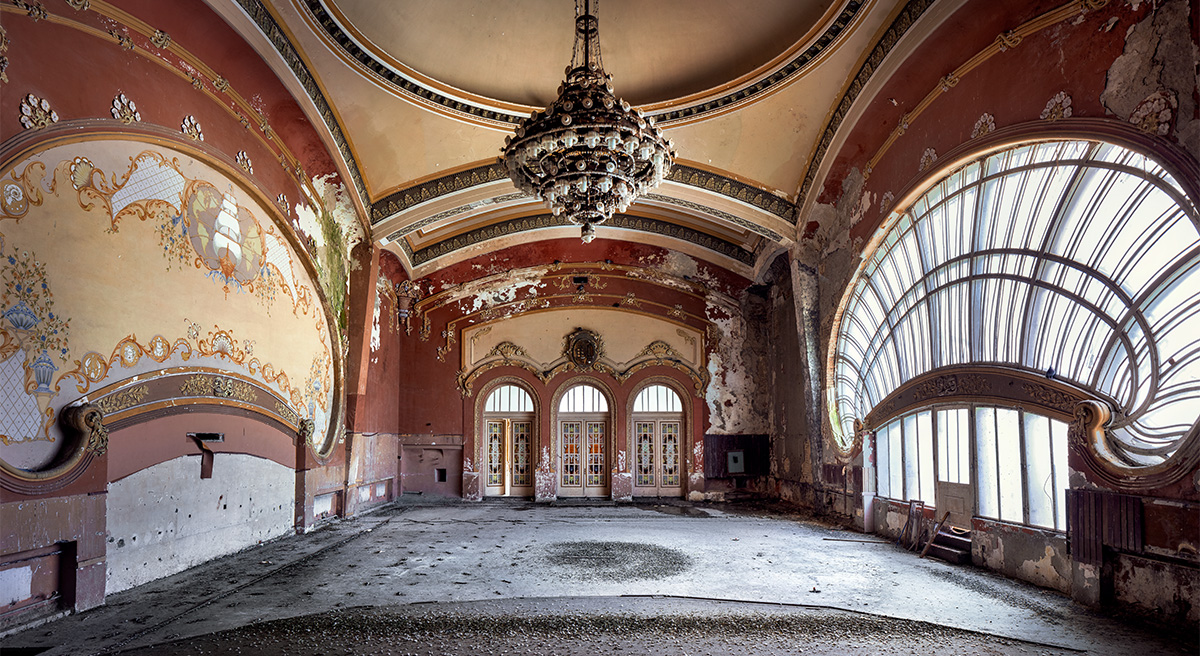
{"x": 122, "y": 40}
{"x": 32, "y": 9}
{"x": 1008, "y": 40}
{"x": 3, "y": 59}
{"x": 243, "y": 160}
{"x": 80, "y": 5}
{"x": 1058, "y": 107}
{"x": 282, "y": 201}
{"x": 885, "y": 201}
{"x": 124, "y": 110}
{"x": 583, "y": 348}
{"x": 1153, "y": 115}
{"x": 221, "y": 84}
{"x": 161, "y": 39}
{"x": 36, "y": 113}
{"x": 191, "y": 128}
{"x": 927, "y": 159}
{"x": 985, "y": 124}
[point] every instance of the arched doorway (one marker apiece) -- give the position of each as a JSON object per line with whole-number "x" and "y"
{"x": 657, "y": 439}
{"x": 508, "y": 443}
{"x": 583, "y": 427}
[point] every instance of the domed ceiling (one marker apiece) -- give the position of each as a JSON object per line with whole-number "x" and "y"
{"x": 420, "y": 94}
{"x": 515, "y": 52}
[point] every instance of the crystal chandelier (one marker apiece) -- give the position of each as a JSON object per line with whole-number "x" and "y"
{"x": 589, "y": 153}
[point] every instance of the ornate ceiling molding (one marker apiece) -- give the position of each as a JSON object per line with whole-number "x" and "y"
{"x": 899, "y": 27}
{"x": 409, "y": 197}
{"x": 538, "y": 222}
{"x": 266, "y": 23}
{"x": 491, "y": 115}
{"x": 655, "y": 354}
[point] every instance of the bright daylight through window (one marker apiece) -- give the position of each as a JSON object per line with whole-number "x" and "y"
{"x": 1073, "y": 259}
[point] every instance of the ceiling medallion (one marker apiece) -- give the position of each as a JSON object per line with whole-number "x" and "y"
{"x": 589, "y": 154}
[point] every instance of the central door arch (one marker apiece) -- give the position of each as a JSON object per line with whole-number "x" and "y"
{"x": 583, "y": 442}
{"x": 508, "y": 443}
{"x": 657, "y": 443}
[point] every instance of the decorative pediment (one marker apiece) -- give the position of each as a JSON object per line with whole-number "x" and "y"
{"x": 583, "y": 350}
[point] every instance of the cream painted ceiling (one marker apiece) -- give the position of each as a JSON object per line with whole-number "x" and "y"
{"x": 425, "y": 91}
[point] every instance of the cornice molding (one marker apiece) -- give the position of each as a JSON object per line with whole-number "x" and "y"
{"x": 899, "y": 27}
{"x": 676, "y": 112}
{"x": 409, "y": 197}
{"x": 541, "y": 221}
{"x": 266, "y": 23}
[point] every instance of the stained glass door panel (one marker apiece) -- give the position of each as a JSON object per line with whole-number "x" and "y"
{"x": 669, "y": 431}
{"x": 595, "y": 454}
{"x": 572, "y": 447}
{"x": 644, "y": 450}
{"x": 495, "y": 453}
{"x": 522, "y": 455}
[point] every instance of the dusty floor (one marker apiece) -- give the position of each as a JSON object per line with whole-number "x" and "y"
{"x": 515, "y": 577}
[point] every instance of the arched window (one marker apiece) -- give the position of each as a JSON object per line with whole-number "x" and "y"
{"x": 583, "y": 398}
{"x": 657, "y": 398}
{"x": 583, "y": 442}
{"x": 1077, "y": 260}
{"x": 508, "y": 398}
{"x": 657, "y": 436}
{"x": 508, "y": 442}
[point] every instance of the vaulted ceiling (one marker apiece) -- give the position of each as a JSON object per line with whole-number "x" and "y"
{"x": 420, "y": 95}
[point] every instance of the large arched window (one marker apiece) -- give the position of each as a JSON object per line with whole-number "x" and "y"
{"x": 1076, "y": 260}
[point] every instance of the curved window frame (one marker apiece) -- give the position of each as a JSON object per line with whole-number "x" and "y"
{"x": 1040, "y": 234}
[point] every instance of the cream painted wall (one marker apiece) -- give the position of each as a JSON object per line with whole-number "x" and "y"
{"x": 541, "y": 334}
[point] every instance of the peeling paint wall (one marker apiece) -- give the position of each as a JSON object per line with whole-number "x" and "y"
{"x": 165, "y": 519}
{"x": 1033, "y": 555}
{"x": 1165, "y": 591}
{"x": 737, "y": 396}
{"x": 1153, "y": 84}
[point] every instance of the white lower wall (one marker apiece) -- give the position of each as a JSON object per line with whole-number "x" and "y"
{"x": 165, "y": 518}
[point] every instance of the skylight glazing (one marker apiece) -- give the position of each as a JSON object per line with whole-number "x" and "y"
{"x": 1073, "y": 256}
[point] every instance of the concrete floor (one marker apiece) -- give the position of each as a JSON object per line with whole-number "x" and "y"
{"x": 508, "y": 576}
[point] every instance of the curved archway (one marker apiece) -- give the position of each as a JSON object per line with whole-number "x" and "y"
{"x": 1074, "y": 261}
{"x": 508, "y": 440}
{"x": 656, "y": 437}
{"x": 583, "y": 426}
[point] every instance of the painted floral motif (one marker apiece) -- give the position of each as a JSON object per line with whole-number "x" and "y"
{"x": 36, "y": 113}
{"x": 928, "y": 158}
{"x": 29, "y": 304}
{"x": 1058, "y": 107}
{"x": 243, "y": 160}
{"x": 124, "y": 109}
{"x": 191, "y": 128}
{"x": 985, "y": 124}
{"x": 1154, "y": 114}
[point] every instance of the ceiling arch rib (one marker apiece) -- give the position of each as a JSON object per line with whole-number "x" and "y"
{"x": 695, "y": 209}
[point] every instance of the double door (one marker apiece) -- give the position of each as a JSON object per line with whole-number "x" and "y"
{"x": 583, "y": 457}
{"x": 509, "y": 446}
{"x": 657, "y": 459}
